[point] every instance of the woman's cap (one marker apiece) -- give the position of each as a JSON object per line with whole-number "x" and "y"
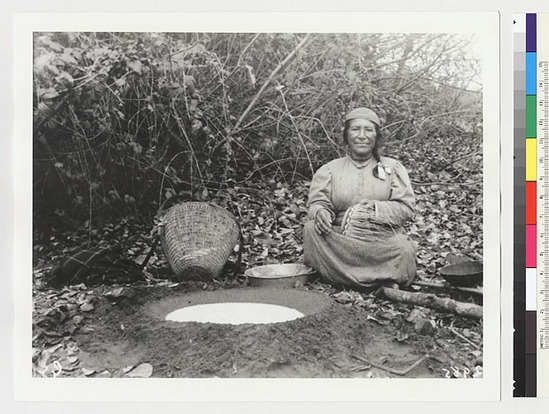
{"x": 363, "y": 113}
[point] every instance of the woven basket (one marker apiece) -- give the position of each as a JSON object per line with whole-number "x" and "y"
{"x": 198, "y": 238}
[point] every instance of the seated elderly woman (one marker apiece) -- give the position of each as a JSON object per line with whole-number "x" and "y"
{"x": 357, "y": 205}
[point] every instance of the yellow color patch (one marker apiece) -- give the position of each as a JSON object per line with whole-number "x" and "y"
{"x": 531, "y": 159}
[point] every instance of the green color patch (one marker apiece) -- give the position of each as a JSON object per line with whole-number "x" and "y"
{"x": 531, "y": 120}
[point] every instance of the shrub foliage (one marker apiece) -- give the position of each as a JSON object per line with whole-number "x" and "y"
{"x": 124, "y": 120}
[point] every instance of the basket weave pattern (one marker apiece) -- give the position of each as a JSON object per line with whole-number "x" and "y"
{"x": 198, "y": 237}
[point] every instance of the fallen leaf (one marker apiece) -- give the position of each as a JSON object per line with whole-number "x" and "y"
{"x": 72, "y": 348}
{"x": 383, "y": 359}
{"x": 442, "y": 343}
{"x": 115, "y": 292}
{"x": 142, "y": 371}
{"x": 87, "y": 372}
{"x": 415, "y": 316}
{"x": 424, "y": 327}
{"x": 71, "y": 327}
{"x": 477, "y": 372}
{"x": 77, "y": 319}
{"x": 401, "y": 337}
{"x": 86, "y": 329}
{"x": 476, "y": 353}
{"x": 263, "y": 238}
{"x": 87, "y": 307}
{"x": 120, "y": 292}
{"x": 294, "y": 208}
{"x": 104, "y": 374}
{"x": 371, "y": 318}
{"x": 128, "y": 368}
{"x": 71, "y": 368}
{"x": 54, "y": 348}
{"x": 343, "y": 297}
{"x": 82, "y": 299}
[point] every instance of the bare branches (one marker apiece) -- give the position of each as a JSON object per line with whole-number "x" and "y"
{"x": 187, "y": 139}
{"x": 227, "y": 126}
{"x": 246, "y": 49}
{"x": 467, "y": 310}
{"x": 401, "y": 372}
{"x": 420, "y": 126}
{"x": 407, "y": 56}
{"x": 297, "y": 131}
{"x": 268, "y": 81}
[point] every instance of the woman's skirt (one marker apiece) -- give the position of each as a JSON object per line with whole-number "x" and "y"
{"x": 385, "y": 257}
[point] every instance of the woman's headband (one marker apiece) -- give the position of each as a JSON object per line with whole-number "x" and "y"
{"x": 363, "y": 113}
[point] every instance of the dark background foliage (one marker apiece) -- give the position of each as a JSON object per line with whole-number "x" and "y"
{"x": 123, "y": 121}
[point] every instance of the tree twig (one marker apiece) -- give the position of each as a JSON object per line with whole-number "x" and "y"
{"x": 407, "y": 57}
{"x": 246, "y": 49}
{"x": 392, "y": 370}
{"x": 297, "y": 131}
{"x": 418, "y": 129}
{"x": 429, "y": 300}
{"x": 456, "y": 333}
{"x": 267, "y": 81}
{"x": 361, "y": 368}
{"x": 445, "y": 183}
{"x": 467, "y": 156}
{"x": 184, "y": 132}
{"x": 429, "y": 284}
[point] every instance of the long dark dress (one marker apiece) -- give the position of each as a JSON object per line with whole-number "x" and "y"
{"x": 386, "y": 255}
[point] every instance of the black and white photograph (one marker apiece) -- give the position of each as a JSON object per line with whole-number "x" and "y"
{"x": 277, "y": 203}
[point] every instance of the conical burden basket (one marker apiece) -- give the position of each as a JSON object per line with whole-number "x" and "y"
{"x": 198, "y": 238}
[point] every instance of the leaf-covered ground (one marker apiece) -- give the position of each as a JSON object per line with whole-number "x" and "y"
{"x": 168, "y": 113}
{"x": 448, "y": 225}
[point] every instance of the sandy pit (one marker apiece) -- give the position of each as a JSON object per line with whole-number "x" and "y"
{"x": 239, "y": 306}
{"x": 234, "y": 313}
{"x": 324, "y": 343}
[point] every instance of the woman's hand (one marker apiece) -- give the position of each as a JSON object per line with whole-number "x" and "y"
{"x": 368, "y": 203}
{"x": 369, "y": 207}
{"x": 323, "y": 221}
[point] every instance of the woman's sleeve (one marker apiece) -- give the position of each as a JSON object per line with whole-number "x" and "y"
{"x": 401, "y": 204}
{"x": 320, "y": 192}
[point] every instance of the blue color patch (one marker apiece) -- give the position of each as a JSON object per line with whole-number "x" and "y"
{"x": 531, "y": 73}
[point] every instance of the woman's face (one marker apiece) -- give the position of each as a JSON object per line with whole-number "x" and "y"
{"x": 361, "y": 138}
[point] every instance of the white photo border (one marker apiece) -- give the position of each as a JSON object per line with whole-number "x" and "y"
{"x": 484, "y": 24}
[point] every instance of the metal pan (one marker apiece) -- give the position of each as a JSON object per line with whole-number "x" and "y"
{"x": 279, "y": 275}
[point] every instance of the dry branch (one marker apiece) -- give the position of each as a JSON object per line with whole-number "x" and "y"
{"x": 388, "y": 369}
{"x": 456, "y": 333}
{"x": 430, "y": 284}
{"x": 187, "y": 139}
{"x": 297, "y": 132}
{"x": 418, "y": 128}
{"x": 467, "y": 310}
{"x": 266, "y": 83}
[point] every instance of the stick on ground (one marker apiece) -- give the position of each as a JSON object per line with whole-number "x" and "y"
{"x": 429, "y": 300}
{"x": 392, "y": 370}
{"x": 477, "y": 346}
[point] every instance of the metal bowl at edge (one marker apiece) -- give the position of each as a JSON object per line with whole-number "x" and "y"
{"x": 279, "y": 275}
{"x": 463, "y": 274}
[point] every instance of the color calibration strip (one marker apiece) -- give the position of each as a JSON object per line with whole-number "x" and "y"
{"x": 540, "y": 85}
{"x": 519, "y": 187}
{"x": 531, "y": 202}
{"x": 525, "y": 186}
{"x": 531, "y": 185}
